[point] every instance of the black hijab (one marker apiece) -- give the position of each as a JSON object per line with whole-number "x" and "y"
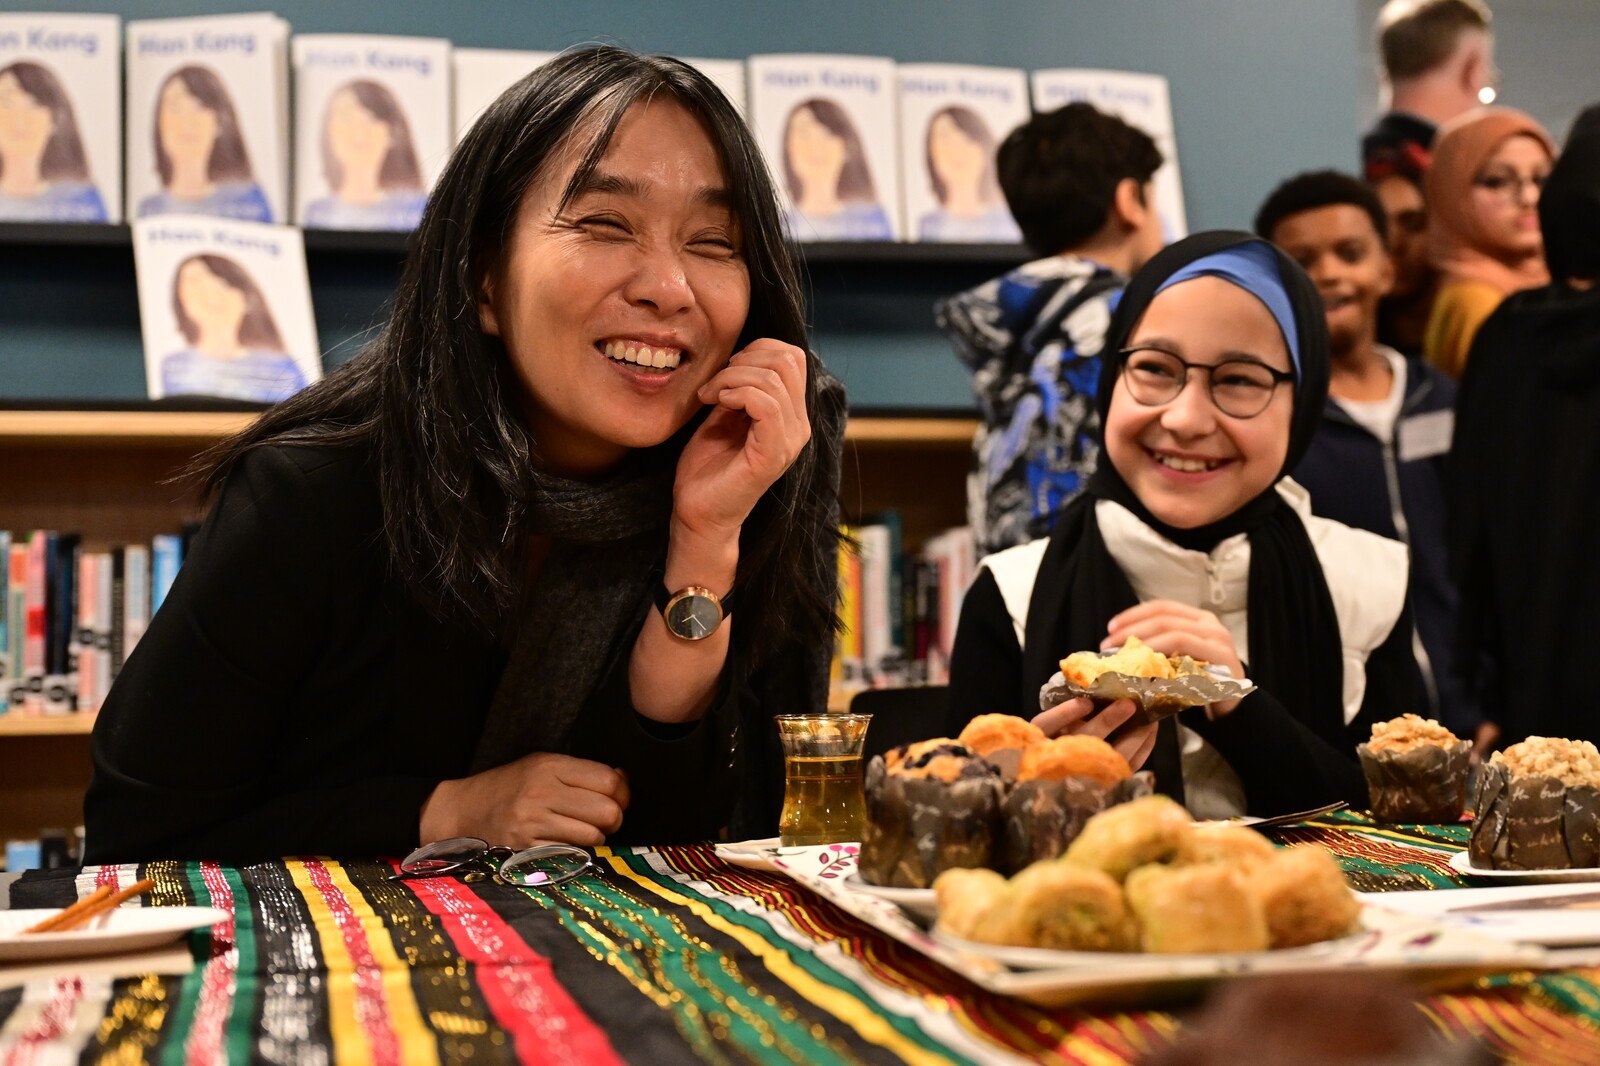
{"x": 1524, "y": 467}
{"x": 1295, "y": 651}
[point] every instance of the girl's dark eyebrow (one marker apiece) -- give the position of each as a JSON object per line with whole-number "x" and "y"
{"x": 600, "y": 184}
{"x": 1172, "y": 347}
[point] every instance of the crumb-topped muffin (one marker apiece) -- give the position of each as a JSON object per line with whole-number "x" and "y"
{"x": 990, "y": 733}
{"x": 1536, "y": 806}
{"x": 1416, "y": 771}
{"x": 1075, "y": 755}
{"x": 931, "y": 806}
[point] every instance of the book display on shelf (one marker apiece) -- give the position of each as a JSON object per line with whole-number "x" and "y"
{"x": 73, "y": 617}
{"x": 482, "y": 74}
{"x": 1141, "y": 100}
{"x": 952, "y": 120}
{"x": 208, "y": 118}
{"x": 826, "y": 125}
{"x": 224, "y": 309}
{"x": 61, "y": 90}
{"x": 372, "y": 128}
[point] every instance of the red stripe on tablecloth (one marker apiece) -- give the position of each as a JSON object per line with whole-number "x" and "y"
{"x": 517, "y": 983}
{"x": 51, "y": 1024}
{"x": 372, "y": 1009}
{"x": 204, "y": 1044}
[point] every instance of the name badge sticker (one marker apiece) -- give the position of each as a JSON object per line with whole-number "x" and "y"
{"x": 1426, "y": 436}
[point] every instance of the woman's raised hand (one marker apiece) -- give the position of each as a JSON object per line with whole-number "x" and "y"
{"x": 1078, "y": 716}
{"x": 754, "y": 432}
{"x": 539, "y": 798}
{"x": 1173, "y": 628}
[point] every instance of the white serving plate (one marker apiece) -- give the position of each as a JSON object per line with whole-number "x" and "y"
{"x": 918, "y": 901}
{"x": 1559, "y": 915}
{"x": 1461, "y": 863}
{"x": 1417, "y": 947}
{"x": 1210, "y": 962}
{"x": 123, "y": 929}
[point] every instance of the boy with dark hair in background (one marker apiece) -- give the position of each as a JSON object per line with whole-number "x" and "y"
{"x": 1378, "y": 459}
{"x": 1077, "y": 182}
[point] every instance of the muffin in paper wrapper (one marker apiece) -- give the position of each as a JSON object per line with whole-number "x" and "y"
{"x": 1425, "y": 785}
{"x": 918, "y": 827}
{"x": 1038, "y": 819}
{"x": 1155, "y": 697}
{"x": 1533, "y": 822}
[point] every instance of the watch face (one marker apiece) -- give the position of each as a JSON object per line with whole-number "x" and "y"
{"x": 693, "y": 617}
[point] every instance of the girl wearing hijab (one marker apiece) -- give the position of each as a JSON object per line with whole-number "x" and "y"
{"x": 1190, "y": 537}
{"x": 1482, "y": 192}
{"x": 1522, "y": 501}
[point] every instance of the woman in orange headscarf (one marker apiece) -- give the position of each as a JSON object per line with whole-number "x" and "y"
{"x": 1482, "y": 191}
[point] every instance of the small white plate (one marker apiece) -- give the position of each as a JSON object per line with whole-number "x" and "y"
{"x": 1052, "y": 959}
{"x": 1461, "y": 863}
{"x": 124, "y": 929}
{"x": 918, "y": 901}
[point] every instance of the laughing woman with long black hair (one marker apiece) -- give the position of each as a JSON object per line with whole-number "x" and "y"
{"x": 541, "y": 562}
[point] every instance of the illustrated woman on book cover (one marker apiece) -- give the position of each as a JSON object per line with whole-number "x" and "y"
{"x": 232, "y": 347}
{"x": 825, "y": 166}
{"x": 44, "y": 176}
{"x": 200, "y": 152}
{"x": 960, "y": 150}
{"x": 369, "y": 162}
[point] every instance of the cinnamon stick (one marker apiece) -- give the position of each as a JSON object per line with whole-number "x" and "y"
{"x": 93, "y": 906}
{"x": 54, "y": 921}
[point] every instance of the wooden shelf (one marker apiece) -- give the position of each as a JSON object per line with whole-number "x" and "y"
{"x": 188, "y": 428}
{"x": 13, "y": 724}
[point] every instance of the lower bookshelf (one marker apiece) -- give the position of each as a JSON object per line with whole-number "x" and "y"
{"x": 113, "y": 476}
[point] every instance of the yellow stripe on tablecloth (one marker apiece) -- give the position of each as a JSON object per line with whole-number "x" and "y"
{"x": 836, "y": 1001}
{"x": 350, "y": 1043}
{"x": 417, "y": 1041}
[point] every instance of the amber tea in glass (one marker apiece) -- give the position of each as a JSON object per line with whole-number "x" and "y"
{"x": 822, "y": 801}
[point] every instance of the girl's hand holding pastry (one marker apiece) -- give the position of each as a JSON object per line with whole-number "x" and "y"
{"x": 1078, "y": 716}
{"x": 1174, "y": 628}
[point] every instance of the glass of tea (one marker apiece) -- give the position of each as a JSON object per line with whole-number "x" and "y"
{"x": 822, "y": 801}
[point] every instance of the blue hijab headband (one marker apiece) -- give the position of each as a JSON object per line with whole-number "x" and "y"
{"x": 1254, "y": 268}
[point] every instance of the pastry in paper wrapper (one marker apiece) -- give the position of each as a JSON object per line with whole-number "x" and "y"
{"x": 1416, "y": 771}
{"x": 1155, "y": 697}
{"x": 921, "y": 823}
{"x": 1533, "y": 822}
{"x": 1039, "y": 819}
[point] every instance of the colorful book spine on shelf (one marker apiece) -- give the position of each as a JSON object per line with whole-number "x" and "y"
{"x": 166, "y": 554}
{"x": 61, "y": 585}
{"x": 34, "y": 641}
{"x": 135, "y": 596}
{"x": 16, "y": 609}
{"x": 5, "y": 621}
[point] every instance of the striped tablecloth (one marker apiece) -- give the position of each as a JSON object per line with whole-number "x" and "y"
{"x": 668, "y": 956}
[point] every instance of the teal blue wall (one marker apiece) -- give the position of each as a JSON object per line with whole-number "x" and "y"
{"x": 1260, "y": 88}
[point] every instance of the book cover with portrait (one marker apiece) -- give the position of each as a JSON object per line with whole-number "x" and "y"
{"x": 1140, "y": 100}
{"x": 727, "y": 75}
{"x": 225, "y": 309}
{"x": 827, "y": 127}
{"x": 482, "y": 74}
{"x": 207, "y": 118}
{"x": 60, "y": 118}
{"x": 952, "y": 120}
{"x": 372, "y": 128}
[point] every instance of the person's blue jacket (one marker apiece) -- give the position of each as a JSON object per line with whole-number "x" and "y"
{"x": 1396, "y": 488}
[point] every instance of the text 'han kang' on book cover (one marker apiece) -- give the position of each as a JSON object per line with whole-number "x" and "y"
{"x": 372, "y": 128}
{"x": 208, "y": 117}
{"x": 826, "y": 124}
{"x": 225, "y": 309}
{"x": 60, "y": 118}
{"x": 952, "y": 120}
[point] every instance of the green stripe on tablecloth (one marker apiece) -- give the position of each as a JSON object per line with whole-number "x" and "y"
{"x": 701, "y": 971}
{"x": 186, "y": 998}
{"x": 806, "y": 960}
{"x": 239, "y": 1036}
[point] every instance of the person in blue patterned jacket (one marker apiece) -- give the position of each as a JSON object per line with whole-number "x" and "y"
{"x": 1078, "y": 183}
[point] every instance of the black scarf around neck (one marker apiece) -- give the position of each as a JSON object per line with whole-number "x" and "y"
{"x": 1295, "y": 650}
{"x": 606, "y": 538}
